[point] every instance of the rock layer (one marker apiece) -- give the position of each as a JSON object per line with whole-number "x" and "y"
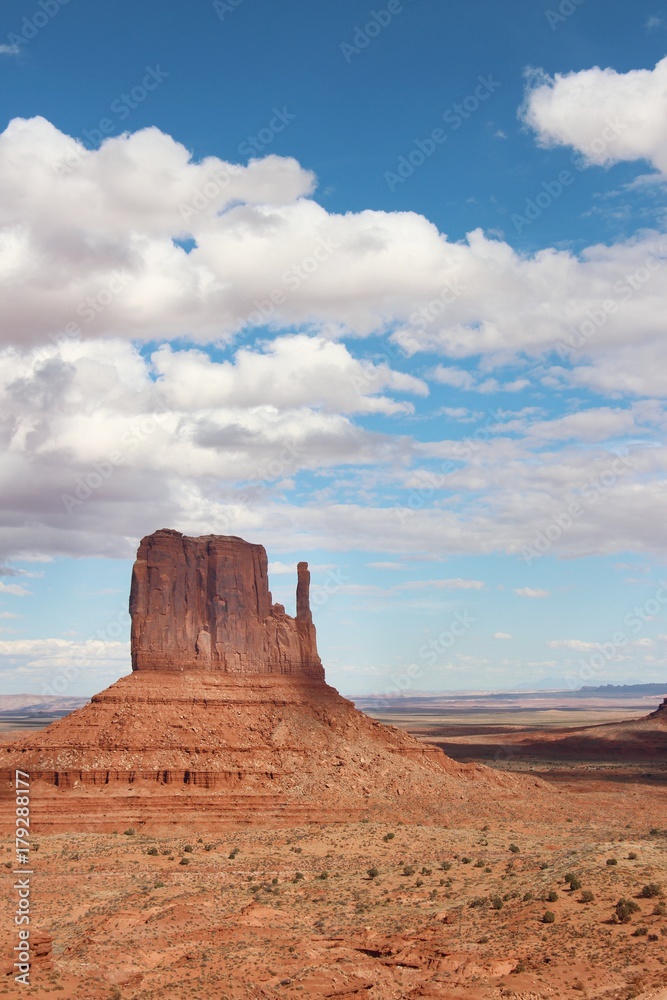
{"x": 205, "y": 604}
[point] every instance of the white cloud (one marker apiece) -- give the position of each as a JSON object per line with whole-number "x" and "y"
{"x": 90, "y": 247}
{"x": 531, "y": 592}
{"x": 13, "y": 588}
{"x": 606, "y": 116}
{"x": 9, "y": 50}
{"x": 502, "y": 635}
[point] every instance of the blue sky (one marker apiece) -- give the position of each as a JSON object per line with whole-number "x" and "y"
{"x": 379, "y": 287}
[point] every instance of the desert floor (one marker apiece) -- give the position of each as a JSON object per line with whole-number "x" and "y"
{"x": 442, "y": 912}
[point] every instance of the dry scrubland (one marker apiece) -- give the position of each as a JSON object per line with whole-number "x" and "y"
{"x": 358, "y": 910}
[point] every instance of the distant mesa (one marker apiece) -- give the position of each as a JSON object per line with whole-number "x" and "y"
{"x": 227, "y": 713}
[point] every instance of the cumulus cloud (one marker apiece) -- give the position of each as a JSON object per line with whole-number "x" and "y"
{"x": 9, "y": 50}
{"x": 14, "y": 589}
{"x": 92, "y": 246}
{"x": 606, "y": 116}
{"x": 56, "y": 665}
{"x": 531, "y": 592}
{"x": 502, "y": 635}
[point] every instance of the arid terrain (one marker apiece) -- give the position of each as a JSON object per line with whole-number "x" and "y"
{"x": 221, "y": 823}
{"x": 453, "y": 908}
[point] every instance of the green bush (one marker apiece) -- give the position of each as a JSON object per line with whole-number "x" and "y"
{"x": 445, "y": 866}
{"x": 130, "y": 832}
{"x": 185, "y": 861}
{"x": 408, "y": 870}
{"x": 527, "y": 896}
{"x": 612, "y": 861}
{"x": 552, "y": 896}
{"x": 373, "y": 872}
{"x": 651, "y": 890}
{"x": 624, "y": 910}
{"x": 548, "y": 917}
{"x": 188, "y": 848}
{"x": 466, "y": 861}
{"x": 426, "y": 871}
{"x": 298, "y": 876}
{"x": 389, "y": 836}
{"x": 152, "y": 851}
{"x": 586, "y": 896}
{"x": 575, "y": 884}
{"x": 323, "y": 875}
{"x": 496, "y": 903}
{"x": 632, "y": 856}
{"x": 514, "y": 849}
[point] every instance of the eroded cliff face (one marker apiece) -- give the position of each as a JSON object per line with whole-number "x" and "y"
{"x": 204, "y": 604}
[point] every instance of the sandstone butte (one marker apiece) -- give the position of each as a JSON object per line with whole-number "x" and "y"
{"x": 226, "y": 712}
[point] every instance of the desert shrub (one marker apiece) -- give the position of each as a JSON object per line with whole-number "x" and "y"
{"x": 209, "y": 847}
{"x": 660, "y": 910}
{"x": 408, "y": 870}
{"x": 548, "y": 917}
{"x": 520, "y": 967}
{"x": 426, "y": 871}
{"x": 478, "y": 901}
{"x": 323, "y": 875}
{"x": 419, "y": 882}
{"x": 445, "y": 866}
{"x": 527, "y": 896}
{"x": 373, "y": 872}
{"x": 479, "y": 863}
{"x": 188, "y": 848}
{"x": 651, "y": 890}
{"x": 653, "y": 937}
{"x": 389, "y": 836}
{"x": 496, "y": 903}
{"x": 632, "y": 856}
{"x": 569, "y": 877}
{"x": 466, "y": 861}
{"x": 624, "y": 910}
{"x": 544, "y": 865}
{"x": 552, "y": 896}
{"x": 612, "y": 861}
{"x": 152, "y": 851}
{"x": 640, "y": 932}
{"x": 575, "y": 884}
{"x": 514, "y": 849}
{"x": 234, "y": 851}
{"x": 298, "y": 876}
{"x": 586, "y": 896}
{"x": 185, "y": 861}
{"x": 130, "y": 832}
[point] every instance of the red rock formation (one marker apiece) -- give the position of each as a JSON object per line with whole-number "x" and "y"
{"x": 204, "y": 604}
{"x": 226, "y": 698}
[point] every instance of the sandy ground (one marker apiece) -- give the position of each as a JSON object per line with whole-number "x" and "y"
{"x": 426, "y": 922}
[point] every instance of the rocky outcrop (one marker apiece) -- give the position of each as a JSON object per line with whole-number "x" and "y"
{"x": 226, "y": 712}
{"x": 205, "y": 604}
